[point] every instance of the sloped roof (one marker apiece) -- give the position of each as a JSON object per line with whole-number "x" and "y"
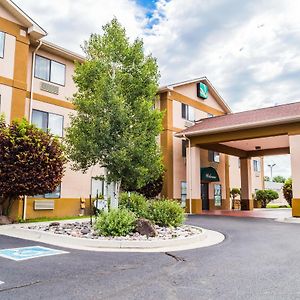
{"x": 205, "y": 80}
{"x": 34, "y": 30}
{"x": 285, "y": 113}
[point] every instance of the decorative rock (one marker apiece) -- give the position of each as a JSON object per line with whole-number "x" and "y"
{"x": 85, "y": 231}
{"x": 145, "y": 227}
{"x": 54, "y": 224}
{"x": 5, "y": 220}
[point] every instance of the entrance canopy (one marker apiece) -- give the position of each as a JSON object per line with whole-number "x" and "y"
{"x": 267, "y": 131}
{"x": 248, "y": 134}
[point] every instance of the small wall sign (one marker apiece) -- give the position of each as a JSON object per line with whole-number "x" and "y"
{"x": 202, "y": 90}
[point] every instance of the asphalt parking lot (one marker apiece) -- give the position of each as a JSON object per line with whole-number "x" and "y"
{"x": 259, "y": 259}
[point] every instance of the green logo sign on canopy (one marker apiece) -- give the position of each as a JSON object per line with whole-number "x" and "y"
{"x": 202, "y": 90}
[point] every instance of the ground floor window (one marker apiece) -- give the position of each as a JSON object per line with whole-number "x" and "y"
{"x": 54, "y": 195}
{"x": 218, "y": 194}
{"x": 183, "y": 193}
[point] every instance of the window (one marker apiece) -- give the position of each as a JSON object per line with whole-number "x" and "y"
{"x": 213, "y": 156}
{"x": 50, "y": 70}
{"x": 256, "y": 166}
{"x": 48, "y": 122}
{"x": 183, "y": 147}
{"x": 54, "y": 195}
{"x": 187, "y": 112}
{"x": 183, "y": 193}
{"x": 218, "y": 194}
{"x": 2, "y": 41}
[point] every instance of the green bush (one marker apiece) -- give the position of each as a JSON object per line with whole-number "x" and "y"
{"x": 265, "y": 196}
{"x": 288, "y": 191}
{"x": 116, "y": 222}
{"x": 166, "y": 213}
{"x": 136, "y": 203}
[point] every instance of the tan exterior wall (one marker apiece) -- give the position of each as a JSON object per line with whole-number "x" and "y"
{"x": 7, "y": 63}
{"x": 6, "y": 98}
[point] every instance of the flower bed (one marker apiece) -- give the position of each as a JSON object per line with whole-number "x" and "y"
{"x": 86, "y": 231}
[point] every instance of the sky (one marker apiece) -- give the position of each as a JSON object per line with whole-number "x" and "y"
{"x": 249, "y": 50}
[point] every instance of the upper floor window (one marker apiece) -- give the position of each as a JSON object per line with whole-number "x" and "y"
{"x": 187, "y": 112}
{"x": 213, "y": 156}
{"x": 2, "y": 40}
{"x": 48, "y": 122}
{"x": 256, "y": 165}
{"x": 183, "y": 147}
{"x": 50, "y": 70}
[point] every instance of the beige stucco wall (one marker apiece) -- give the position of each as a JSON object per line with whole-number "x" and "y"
{"x": 179, "y": 163}
{"x": 7, "y": 62}
{"x": 8, "y": 16}
{"x": 65, "y": 92}
{"x": 190, "y": 90}
{"x": 235, "y": 174}
{"x": 6, "y": 96}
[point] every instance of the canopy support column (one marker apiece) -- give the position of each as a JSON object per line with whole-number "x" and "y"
{"x": 295, "y": 168}
{"x": 246, "y": 184}
{"x": 193, "y": 181}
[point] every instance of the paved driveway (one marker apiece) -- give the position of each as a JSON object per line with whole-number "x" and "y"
{"x": 260, "y": 259}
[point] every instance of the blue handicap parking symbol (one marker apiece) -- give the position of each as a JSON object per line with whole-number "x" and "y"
{"x": 19, "y": 254}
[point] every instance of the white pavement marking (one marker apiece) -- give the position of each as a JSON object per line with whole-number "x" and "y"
{"x": 1, "y": 282}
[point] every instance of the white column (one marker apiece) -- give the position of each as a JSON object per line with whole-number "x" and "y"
{"x": 193, "y": 180}
{"x": 295, "y": 168}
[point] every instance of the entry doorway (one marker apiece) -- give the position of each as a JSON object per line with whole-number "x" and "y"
{"x": 205, "y": 196}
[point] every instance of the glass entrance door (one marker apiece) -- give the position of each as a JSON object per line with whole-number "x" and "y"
{"x": 204, "y": 196}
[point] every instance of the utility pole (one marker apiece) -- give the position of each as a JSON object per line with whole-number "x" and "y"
{"x": 271, "y": 169}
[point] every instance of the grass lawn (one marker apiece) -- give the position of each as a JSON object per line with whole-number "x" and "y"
{"x": 270, "y": 205}
{"x": 45, "y": 219}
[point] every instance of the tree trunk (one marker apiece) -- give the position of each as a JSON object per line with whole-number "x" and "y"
{"x": 6, "y": 204}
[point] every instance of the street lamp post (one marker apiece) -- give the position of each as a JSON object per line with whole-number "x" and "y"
{"x": 271, "y": 169}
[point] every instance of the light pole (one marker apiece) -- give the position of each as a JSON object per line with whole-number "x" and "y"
{"x": 271, "y": 168}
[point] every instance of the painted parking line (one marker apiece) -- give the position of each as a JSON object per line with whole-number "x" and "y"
{"x": 25, "y": 253}
{"x": 1, "y": 282}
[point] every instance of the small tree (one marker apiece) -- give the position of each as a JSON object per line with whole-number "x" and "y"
{"x": 235, "y": 192}
{"x": 116, "y": 126}
{"x": 265, "y": 196}
{"x": 288, "y": 191}
{"x": 267, "y": 178}
{"x": 279, "y": 179}
{"x": 31, "y": 162}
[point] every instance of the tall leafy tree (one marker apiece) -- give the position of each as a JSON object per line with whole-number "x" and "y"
{"x": 31, "y": 162}
{"x": 115, "y": 125}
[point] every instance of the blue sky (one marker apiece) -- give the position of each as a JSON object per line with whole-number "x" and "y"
{"x": 250, "y": 50}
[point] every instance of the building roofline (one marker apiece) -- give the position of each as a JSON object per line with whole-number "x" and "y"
{"x": 56, "y": 49}
{"x": 219, "y": 98}
{"x": 34, "y": 29}
{"x": 263, "y": 123}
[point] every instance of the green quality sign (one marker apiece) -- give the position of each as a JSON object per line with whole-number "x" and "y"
{"x": 202, "y": 90}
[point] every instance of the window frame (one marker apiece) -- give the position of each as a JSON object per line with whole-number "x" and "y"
{"x": 185, "y": 112}
{"x": 183, "y": 194}
{"x": 46, "y": 112}
{"x": 256, "y": 166}
{"x": 49, "y": 80}
{"x": 3, "y": 51}
{"x": 212, "y": 156}
{"x": 183, "y": 148}
{"x": 220, "y": 189}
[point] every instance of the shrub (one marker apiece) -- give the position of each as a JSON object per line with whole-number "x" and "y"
{"x": 166, "y": 213}
{"x": 116, "y": 222}
{"x": 136, "y": 203}
{"x": 265, "y": 196}
{"x": 288, "y": 191}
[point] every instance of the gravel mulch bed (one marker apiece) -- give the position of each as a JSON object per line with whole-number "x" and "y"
{"x": 85, "y": 230}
